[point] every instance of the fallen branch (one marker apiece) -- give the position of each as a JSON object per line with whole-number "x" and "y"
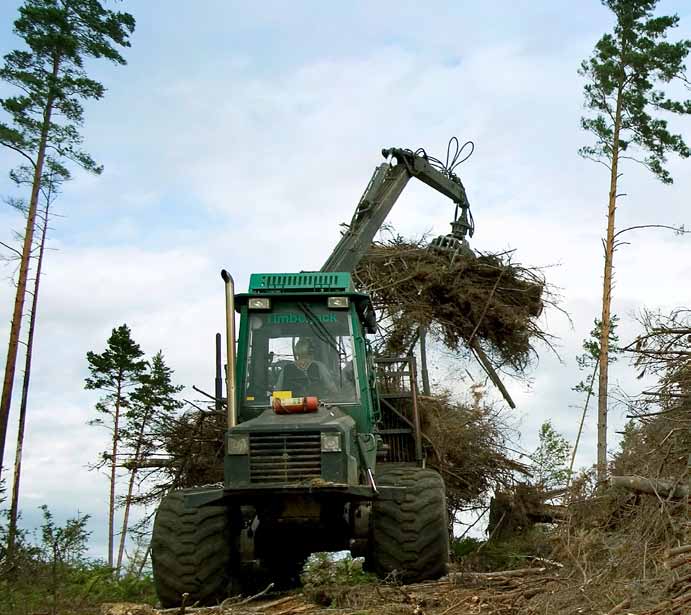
{"x": 259, "y": 595}
{"x": 677, "y": 562}
{"x": 624, "y": 604}
{"x": 678, "y": 551}
{"x": 652, "y": 486}
{"x": 500, "y": 574}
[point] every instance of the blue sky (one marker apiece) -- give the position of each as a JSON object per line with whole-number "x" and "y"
{"x": 236, "y": 128}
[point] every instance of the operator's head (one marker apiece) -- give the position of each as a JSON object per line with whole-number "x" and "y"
{"x": 304, "y": 352}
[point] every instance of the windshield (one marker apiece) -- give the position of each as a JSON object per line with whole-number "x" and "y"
{"x": 299, "y": 350}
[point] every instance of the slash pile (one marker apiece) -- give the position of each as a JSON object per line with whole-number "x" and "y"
{"x": 466, "y": 444}
{"x": 480, "y": 299}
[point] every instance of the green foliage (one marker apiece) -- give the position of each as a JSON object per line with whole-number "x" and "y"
{"x": 336, "y": 582}
{"x": 463, "y": 547}
{"x": 51, "y": 573}
{"x": 591, "y": 353}
{"x": 153, "y": 406}
{"x": 623, "y": 78}
{"x": 324, "y": 569}
{"x": 119, "y": 363}
{"x": 153, "y": 397}
{"x": 64, "y": 545}
{"x": 550, "y": 460}
{"x": 49, "y": 73}
{"x": 118, "y": 368}
{"x": 515, "y": 551}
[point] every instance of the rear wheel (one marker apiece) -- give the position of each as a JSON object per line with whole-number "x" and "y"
{"x": 191, "y": 552}
{"x": 409, "y": 533}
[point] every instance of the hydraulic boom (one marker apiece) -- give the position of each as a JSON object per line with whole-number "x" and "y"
{"x": 383, "y": 190}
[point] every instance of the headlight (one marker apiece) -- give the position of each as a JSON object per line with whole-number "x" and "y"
{"x": 337, "y": 303}
{"x": 238, "y": 444}
{"x": 259, "y": 303}
{"x": 331, "y": 442}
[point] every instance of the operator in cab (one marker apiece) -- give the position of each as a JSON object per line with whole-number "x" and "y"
{"x": 305, "y": 375}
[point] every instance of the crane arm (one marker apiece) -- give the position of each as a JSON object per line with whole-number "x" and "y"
{"x": 382, "y": 192}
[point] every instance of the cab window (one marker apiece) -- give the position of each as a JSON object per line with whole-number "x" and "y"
{"x": 299, "y": 350}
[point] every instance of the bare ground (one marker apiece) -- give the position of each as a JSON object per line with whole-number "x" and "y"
{"x": 532, "y": 591}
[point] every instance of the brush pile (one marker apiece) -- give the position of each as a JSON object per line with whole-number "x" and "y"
{"x": 483, "y": 300}
{"x": 466, "y": 445}
{"x": 191, "y": 454}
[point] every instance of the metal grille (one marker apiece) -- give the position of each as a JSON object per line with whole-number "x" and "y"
{"x": 285, "y": 457}
{"x": 283, "y": 282}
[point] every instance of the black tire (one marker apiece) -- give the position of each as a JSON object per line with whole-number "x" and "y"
{"x": 191, "y": 552}
{"x": 409, "y": 533}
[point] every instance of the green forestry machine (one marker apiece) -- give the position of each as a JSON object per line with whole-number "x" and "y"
{"x": 323, "y": 448}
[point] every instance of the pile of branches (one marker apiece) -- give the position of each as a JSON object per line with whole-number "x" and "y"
{"x": 191, "y": 455}
{"x": 657, "y": 441}
{"x": 471, "y": 300}
{"x": 196, "y": 445}
{"x": 616, "y": 542}
{"x": 466, "y": 443}
{"x": 635, "y": 534}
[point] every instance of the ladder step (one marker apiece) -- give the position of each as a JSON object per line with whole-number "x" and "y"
{"x": 392, "y": 432}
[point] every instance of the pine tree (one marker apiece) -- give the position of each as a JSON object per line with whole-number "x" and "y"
{"x": 46, "y": 114}
{"x": 549, "y": 468}
{"x": 622, "y": 92}
{"x": 152, "y": 403}
{"x": 115, "y": 372}
{"x": 590, "y": 361}
{"x": 50, "y": 187}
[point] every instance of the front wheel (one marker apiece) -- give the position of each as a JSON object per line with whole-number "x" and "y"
{"x": 409, "y": 533}
{"x": 191, "y": 552}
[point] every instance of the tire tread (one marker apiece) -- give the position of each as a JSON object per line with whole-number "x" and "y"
{"x": 190, "y": 551}
{"x": 410, "y": 532}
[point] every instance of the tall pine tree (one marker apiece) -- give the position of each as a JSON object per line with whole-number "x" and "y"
{"x": 50, "y": 188}
{"x": 49, "y": 74}
{"x": 115, "y": 372}
{"x": 627, "y": 118}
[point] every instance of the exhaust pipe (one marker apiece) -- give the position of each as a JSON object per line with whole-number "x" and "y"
{"x": 230, "y": 348}
{"x": 218, "y": 381}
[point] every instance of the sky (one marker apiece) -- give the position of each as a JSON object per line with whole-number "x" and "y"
{"x": 241, "y": 136}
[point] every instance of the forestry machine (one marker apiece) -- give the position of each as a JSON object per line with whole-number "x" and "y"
{"x": 323, "y": 449}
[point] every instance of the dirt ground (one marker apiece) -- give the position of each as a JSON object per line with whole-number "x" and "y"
{"x": 527, "y": 592}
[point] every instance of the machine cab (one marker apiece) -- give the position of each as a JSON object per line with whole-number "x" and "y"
{"x": 302, "y": 335}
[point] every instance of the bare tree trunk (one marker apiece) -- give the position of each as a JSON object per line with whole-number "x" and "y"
{"x": 15, "y": 327}
{"x": 653, "y": 486}
{"x": 423, "y": 361}
{"x": 143, "y": 562}
{"x": 130, "y": 488}
{"x": 14, "y": 507}
{"x": 580, "y": 427}
{"x": 113, "y": 466}
{"x": 603, "y": 359}
{"x": 126, "y": 518}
